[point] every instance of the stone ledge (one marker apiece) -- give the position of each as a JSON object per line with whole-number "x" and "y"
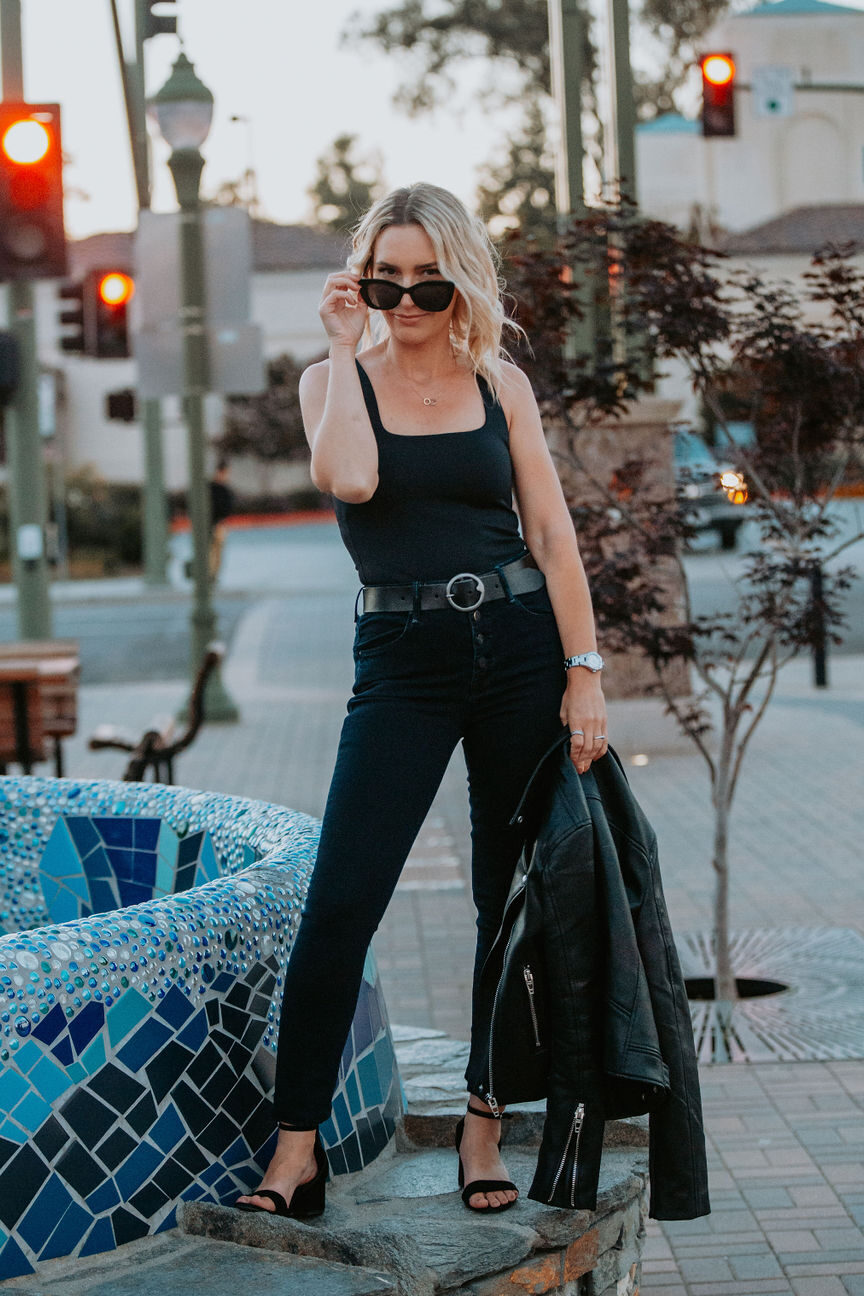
{"x": 405, "y": 1218}
{"x": 403, "y": 1215}
{"x": 199, "y": 1267}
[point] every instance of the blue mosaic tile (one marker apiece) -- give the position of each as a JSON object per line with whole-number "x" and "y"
{"x": 13, "y": 1262}
{"x": 68, "y": 1233}
{"x": 41, "y": 1219}
{"x": 166, "y": 1007}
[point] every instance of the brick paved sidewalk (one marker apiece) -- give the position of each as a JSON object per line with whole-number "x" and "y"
{"x": 786, "y": 1141}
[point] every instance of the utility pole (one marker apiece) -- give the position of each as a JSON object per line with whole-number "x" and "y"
{"x": 155, "y": 533}
{"x": 27, "y": 495}
{"x": 623, "y": 108}
{"x": 567, "y": 37}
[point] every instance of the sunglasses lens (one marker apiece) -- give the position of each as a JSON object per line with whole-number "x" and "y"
{"x": 379, "y": 294}
{"x": 434, "y": 296}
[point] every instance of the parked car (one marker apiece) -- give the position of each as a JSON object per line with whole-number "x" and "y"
{"x": 714, "y": 490}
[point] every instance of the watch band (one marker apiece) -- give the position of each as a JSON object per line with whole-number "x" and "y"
{"x": 591, "y": 661}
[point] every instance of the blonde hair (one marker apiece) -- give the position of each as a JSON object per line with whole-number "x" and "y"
{"x": 465, "y": 254}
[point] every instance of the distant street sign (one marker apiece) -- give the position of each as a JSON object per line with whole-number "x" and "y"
{"x": 773, "y": 91}
{"x": 236, "y": 357}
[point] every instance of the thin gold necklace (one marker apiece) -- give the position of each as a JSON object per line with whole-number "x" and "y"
{"x": 427, "y": 400}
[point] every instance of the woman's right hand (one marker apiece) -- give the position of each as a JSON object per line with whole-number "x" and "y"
{"x": 343, "y": 312}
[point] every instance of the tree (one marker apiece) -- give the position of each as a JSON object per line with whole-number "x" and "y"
{"x": 268, "y": 426}
{"x": 345, "y": 185}
{"x": 519, "y": 192}
{"x": 802, "y": 384}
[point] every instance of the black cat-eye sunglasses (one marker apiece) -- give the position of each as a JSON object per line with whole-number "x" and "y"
{"x": 429, "y": 294}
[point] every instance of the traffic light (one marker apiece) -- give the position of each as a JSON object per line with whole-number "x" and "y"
{"x": 32, "y": 239}
{"x": 75, "y": 340}
{"x": 153, "y": 24}
{"x": 99, "y": 315}
{"x": 718, "y": 94}
{"x": 107, "y": 294}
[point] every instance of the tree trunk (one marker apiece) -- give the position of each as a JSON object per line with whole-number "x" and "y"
{"x": 724, "y": 977}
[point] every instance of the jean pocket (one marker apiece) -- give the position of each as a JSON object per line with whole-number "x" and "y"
{"x": 536, "y": 602}
{"x": 377, "y": 631}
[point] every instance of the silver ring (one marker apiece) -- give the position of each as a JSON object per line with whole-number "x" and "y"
{"x": 599, "y": 737}
{"x": 481, "y": 592}
{"x": 574, "y": 732}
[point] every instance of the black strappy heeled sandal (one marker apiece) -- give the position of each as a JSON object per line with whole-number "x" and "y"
{"x": 482, "y": 1185}
{"x": 307, "y": 1199}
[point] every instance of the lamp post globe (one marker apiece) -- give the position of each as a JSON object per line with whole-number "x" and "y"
{"x": 183, "y": 112}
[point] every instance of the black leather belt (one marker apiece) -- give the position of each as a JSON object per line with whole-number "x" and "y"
{"x": 465, "y": 592}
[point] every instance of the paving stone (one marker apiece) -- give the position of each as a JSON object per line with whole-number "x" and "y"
{"x": 755, "y": 1266}
{"x": 824, "y": 1286}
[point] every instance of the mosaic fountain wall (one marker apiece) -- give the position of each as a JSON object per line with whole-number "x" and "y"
{"x": 147, "y": 929}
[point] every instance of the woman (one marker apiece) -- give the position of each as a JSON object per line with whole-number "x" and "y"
{"x": 423, "y": 440}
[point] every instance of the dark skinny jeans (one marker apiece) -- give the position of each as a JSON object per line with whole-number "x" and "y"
{"x": 493, "y": 678}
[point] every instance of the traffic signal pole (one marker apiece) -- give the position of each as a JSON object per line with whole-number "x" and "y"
{"x": 567, "y": 36}
{"x": 155, "y": 511}
{"x": 27, "y": 495}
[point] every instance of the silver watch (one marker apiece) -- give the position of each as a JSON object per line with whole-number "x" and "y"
{"x": 592, "y": 660}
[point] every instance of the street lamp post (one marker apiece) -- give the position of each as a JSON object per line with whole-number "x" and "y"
{"x": 183, "y": 110}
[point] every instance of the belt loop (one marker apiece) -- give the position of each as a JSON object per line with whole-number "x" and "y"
{"x": 415, "y": 607}
{"x": 503, "y": 579}
{"x": 357, "y": 600}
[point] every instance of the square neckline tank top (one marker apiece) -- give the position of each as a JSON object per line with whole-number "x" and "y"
{"x": 443, "y": 505}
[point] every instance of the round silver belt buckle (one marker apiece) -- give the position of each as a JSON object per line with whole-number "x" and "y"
{"x": 481, "y": 591}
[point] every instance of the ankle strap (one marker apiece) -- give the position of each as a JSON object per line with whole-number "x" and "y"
{"x": 488, "y": 1115}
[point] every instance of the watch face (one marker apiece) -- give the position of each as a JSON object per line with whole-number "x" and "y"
{"x": 593, "y": 661}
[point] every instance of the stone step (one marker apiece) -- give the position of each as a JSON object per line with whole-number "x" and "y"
{"x": 199, "y": 1266}
{"x": 403, "y": 1215}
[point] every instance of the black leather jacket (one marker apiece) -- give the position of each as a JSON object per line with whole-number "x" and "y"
{"x": 589, "y": 1008}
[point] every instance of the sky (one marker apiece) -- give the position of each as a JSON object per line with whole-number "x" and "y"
{"x": 276, "y": 62}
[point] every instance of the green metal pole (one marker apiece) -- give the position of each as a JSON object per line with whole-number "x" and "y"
{"x": 567, "y": 33}
{"x": 155, "y": 505}
{"x": 155, "y": 512}
{"x": 624, "y": 171}
{"x": 623, "y": 108}
{"x": 186, "y": 166}
{"x": 27, "y": 494}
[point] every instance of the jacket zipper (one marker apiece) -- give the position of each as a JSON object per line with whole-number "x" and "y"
{"x": 529, "y": 983}
{"x": 490, "y": 1096}
{"x": 575, "y": 1132}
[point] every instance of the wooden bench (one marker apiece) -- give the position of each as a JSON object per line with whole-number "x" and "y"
{"x": 38, "y": 700}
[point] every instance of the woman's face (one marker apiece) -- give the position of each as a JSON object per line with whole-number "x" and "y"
{"x": 405, "y": 255}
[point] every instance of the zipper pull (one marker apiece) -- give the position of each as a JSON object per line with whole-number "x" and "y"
{"x": 493, "y": 1106}
{"x": 529, "y": 978}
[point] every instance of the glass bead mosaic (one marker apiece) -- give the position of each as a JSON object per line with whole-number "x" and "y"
{"x": 147, "y": 930}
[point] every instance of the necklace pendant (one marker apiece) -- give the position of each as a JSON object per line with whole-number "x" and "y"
{"x": 429, "y": 400}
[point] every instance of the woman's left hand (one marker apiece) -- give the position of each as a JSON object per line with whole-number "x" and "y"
{"x": 583, "y": 710}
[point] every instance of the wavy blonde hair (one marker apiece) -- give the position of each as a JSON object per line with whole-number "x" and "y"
{"x": 464, "y": 253}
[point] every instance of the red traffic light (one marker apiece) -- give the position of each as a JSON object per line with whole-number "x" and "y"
{"x": 116, "y": 288}
{"x": 719, "y": 69}
{"x": 25, "y": 141}
{"x": 718, "y": 94}
{"x": 32, "y": 239}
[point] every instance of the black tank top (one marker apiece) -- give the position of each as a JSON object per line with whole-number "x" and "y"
{"x": 444, "y": 502}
